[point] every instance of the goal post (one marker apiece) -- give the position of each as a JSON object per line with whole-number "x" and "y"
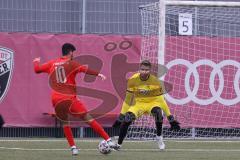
{"x": 199, "y": 43}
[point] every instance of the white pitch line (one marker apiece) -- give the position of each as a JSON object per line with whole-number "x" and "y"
{"x": 182, "y": 150}
{"x": 204, "y": 141}
{"x": 127, "y": 141}
{"x": 33, "y": 149}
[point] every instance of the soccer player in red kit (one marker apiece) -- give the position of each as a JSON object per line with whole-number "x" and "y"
{"x": 62, "y": 73}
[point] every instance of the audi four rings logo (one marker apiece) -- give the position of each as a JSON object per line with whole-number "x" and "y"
{"x": 216, "y": 94}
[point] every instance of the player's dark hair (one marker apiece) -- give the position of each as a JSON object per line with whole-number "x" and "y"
{"x": 146, "y": 63}
{"x": 66, "y": 48}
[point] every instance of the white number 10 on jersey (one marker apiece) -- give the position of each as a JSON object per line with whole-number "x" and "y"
{"x": 185, "y": 24}
{"x": 60, "y": 74}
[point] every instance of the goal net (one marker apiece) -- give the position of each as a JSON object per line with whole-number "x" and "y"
{"x": 199, "y": 43}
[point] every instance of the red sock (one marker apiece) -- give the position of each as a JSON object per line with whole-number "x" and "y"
{"x": 68, "y": 134}
{"x": 98, "y": 128}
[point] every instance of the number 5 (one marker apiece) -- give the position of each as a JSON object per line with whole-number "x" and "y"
{"x": 185, "y": 24}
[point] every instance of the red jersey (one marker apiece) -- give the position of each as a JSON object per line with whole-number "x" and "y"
{"x": 62, "y": 73}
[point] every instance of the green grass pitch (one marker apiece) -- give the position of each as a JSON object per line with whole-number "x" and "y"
{"x": 57, "y": 149}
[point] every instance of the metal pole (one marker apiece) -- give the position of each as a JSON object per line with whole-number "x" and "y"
{"x": 84, "y": 16}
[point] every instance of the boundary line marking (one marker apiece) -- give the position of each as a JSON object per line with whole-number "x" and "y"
{"x": 127, "y": 141}
{"x": 166, "y": 150}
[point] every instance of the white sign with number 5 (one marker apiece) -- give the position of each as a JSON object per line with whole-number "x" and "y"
{"x": 185, "y": 24}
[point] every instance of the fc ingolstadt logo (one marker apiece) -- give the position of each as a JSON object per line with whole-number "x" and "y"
{"x": 6, "y": 68}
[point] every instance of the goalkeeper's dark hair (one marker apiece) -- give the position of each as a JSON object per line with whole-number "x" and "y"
{"x": 146, "y": 63}
{"x": 66, "y": 48}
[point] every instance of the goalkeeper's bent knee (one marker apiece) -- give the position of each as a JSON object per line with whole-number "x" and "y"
{"x": 129, "y": 117}
{"x": 157, "y": 114}
{"x": 119, "y": 121}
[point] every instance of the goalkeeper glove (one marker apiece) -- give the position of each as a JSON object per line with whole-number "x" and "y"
{"x": 1, "y": 121}
{"x": 119, "y": 121}
{"x": 175, "y": 125}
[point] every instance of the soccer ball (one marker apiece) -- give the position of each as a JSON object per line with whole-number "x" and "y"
{"x": 104, "y": 148}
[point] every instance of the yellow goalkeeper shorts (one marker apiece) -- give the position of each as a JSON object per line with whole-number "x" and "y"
{"x": 145, "y": 107}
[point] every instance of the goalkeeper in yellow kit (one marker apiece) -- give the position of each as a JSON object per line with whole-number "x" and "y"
{"x": 144, "y": 96}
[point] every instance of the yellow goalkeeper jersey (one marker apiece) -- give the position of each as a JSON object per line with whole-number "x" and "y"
{"x": 144, "y": 91}
{"x": 144, "y": 94}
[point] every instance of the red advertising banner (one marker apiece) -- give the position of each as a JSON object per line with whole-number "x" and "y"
{"x": 28, "y": 95}
{"x": 201, "y": 96}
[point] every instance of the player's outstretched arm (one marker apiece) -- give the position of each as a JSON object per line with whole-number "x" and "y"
{"x": 175, "y": 125}
{"x": 91, "y": 72}
{"x": 36, "y": 63}
{"x": 41, "y": 68}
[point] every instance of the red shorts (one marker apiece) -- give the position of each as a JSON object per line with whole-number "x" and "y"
{"x": 69, "y": 108}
